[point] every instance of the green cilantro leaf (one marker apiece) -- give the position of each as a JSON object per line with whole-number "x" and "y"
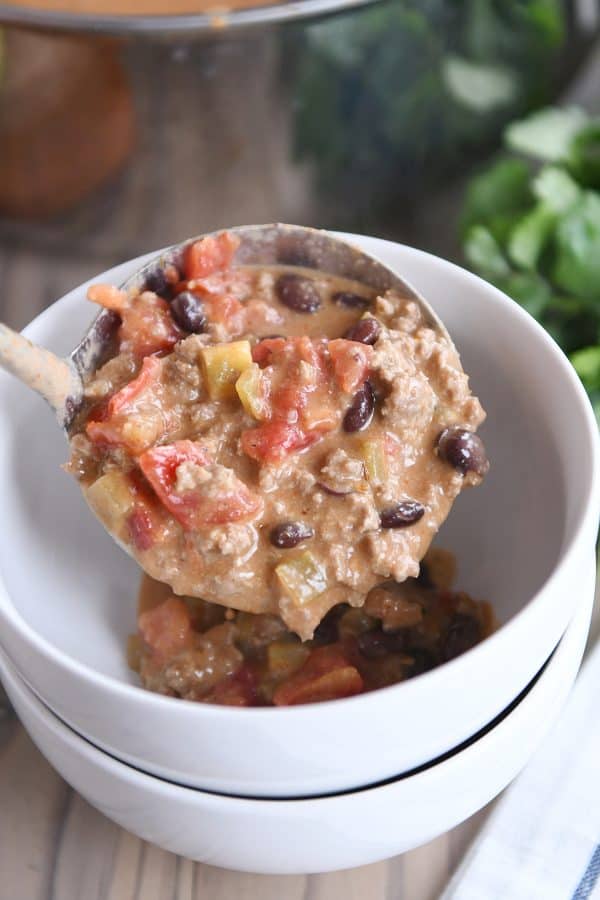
{"x": 556, "y": 189}
{"x": 500, "y": 191}
{"x": 529, "y": 290}
{"x": 530, "y": 235}
{"x": 587, "y": 365}
{"x": 546, "y": 134}
{"x": 577, "y": 243}
{"x": 484, "y": 254}
{"x": 583, "y": 157}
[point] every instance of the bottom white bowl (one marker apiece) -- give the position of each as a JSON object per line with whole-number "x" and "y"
{"x": 309, "y": 835}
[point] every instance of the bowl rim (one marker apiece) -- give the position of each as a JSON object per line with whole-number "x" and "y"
{"x": 519, "y": 706}
{"x": 586, "y": 520}
{"x": 15, "y": 674}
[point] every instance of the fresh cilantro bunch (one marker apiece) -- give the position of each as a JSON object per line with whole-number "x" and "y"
{"x": 531, "y": 225}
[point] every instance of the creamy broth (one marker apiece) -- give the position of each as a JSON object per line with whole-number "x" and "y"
{"x": 216, "y": 655}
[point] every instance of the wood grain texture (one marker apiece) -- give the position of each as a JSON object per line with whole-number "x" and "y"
{"x": 55, "y": 846}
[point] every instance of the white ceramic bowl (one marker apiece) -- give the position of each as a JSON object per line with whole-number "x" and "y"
{"x": 310, "y": 835}
{"x": 522, "y": 540}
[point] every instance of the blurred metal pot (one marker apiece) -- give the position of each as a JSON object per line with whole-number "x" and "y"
{"x": 358, "y": 119}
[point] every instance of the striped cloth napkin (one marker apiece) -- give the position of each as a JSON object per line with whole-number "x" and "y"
{"x": 542, "y": 840}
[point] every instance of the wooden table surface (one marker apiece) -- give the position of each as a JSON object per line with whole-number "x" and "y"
{"x": 54, "y": 846}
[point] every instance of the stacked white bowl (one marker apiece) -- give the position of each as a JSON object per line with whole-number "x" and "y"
{"x": 328, "y": 785}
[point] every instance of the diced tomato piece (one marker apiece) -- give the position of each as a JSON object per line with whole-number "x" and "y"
{"x": 166, "y": 629}
{"x": 240, "y": 689}
{"x": 210, "y": 254}
{"x": 99, "y": 411}
{"x": 236, "y": 282}
{"x": 313, "y": 352}
{"x": 142, "y": 489}
{"x": 351, "y": 361}
{"x": 303, "y": 404}
{"x": 326, "y": 675}
{"x": 196, "y": 508}
{"x": 122, "y": 422}
{"x": 147, "y": 326}
{"x": 291, "y": 351}
{"x": 324, "y": 659}
{"x": 141, "y": 527}
{"x": 146, "y": 378}
{"x": 108, "y": 296}
{"x": 146, "y": 322}
{"x": 218, "y": 295}
{"x": 262, "y": 352}
{"x": 180, "y": 286}
{"x": 160, "y": 465}
{"x": 223, "y": 309}
{"x": 273, "y": 441}
{"x": 220, "y": 292}
{"x": 103, "y": 432}
{"x": 342, "y": 682}
{"x": 289, "y": 398}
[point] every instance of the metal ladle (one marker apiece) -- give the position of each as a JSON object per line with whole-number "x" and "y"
{"x": 61, "y": 381}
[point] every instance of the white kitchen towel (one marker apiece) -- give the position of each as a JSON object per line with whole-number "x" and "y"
{"x": 542, "y": 840}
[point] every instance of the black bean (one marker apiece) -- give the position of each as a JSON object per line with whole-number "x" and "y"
{"x": 188, "y": 312}
{"x": 377, "y": 643}
{"x": 423, "y": 661}
{"x": 463, "y": 633}
{"x": 464, "y": 450}
{"x": 373, "y": 644}
{"x": 350, "y": 300}
{"x": 298, "y": 293}
{"x": 290, "y": 534}
{"x": 105, "y": 326}
{"x": 395, "y": 641}
{"x": 157, "y": 282}
{"x": 365, "y": 331}
{"x": 404, "y": 513}
{"x": 424, "y": 577}
{"x": 360, "y": 412}
{"x": 326, "y": 631}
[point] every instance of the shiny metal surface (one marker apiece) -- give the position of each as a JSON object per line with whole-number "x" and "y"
{"x": 271, "y": 244}
{"x": 215, "y": 24}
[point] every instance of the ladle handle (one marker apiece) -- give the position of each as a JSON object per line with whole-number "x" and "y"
{"x": 52, "y": 377}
